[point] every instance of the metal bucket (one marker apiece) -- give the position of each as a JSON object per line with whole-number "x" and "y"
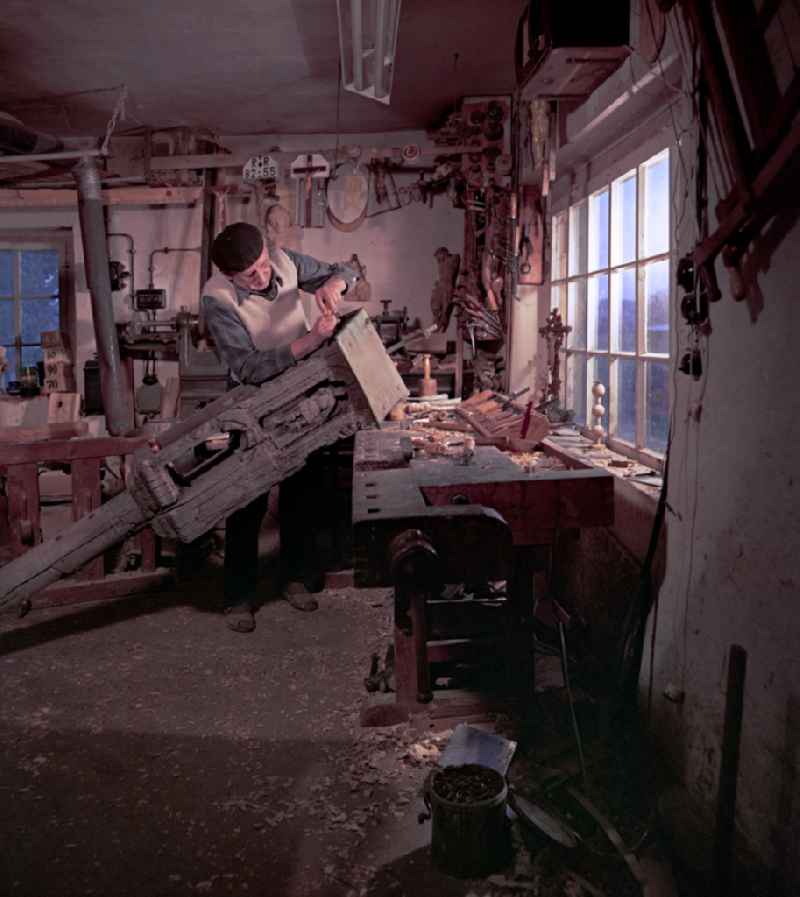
{"x": 469, "y": 832}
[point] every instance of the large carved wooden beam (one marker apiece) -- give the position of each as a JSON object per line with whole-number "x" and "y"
{"x": 224, "y": 456}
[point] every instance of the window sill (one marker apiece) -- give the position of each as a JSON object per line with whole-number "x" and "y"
{"x": 636, "y": 488}
{"x": 624, "y": 450}
{"x": 644, "y": 478}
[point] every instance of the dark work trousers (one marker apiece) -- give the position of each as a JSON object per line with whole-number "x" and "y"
{"x": 299, "y": 514}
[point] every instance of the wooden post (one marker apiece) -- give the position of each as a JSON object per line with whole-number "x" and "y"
{"x": 148, "y": 546}
{"x": 85, "y": 499}
{"x": 22, "y": 489}
{"x": 414, "y": 562}
{"x": 458, "y": 386}
{"x": 412, "y": 671}
{"x": 521, "y": 667}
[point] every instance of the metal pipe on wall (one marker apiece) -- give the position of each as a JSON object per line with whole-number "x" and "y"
{"x": 114, "y": 385}
{"x": 166, "y": 250}
{"x": 358, "y": 49}
{"x": 379, "y": 59}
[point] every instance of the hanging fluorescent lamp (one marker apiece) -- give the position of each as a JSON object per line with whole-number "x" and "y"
{"x": 367, "y": 43}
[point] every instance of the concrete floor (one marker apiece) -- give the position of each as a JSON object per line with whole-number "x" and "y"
{"x": 145, "y": 749}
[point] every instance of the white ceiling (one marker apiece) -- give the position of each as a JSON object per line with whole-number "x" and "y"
{"x": 239, "y": 66}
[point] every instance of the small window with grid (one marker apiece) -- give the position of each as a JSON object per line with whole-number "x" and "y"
{"x": 610, "y": 279}
{"x": 31, "y": 299}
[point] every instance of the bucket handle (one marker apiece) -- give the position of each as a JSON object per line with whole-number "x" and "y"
{"x": 427, "y": 785}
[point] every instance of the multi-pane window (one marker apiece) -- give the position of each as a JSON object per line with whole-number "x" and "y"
{"x": 30, "y": 300}
{"x": 610, "y": 278}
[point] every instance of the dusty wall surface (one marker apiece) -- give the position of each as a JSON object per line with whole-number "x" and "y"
{"x": 733, "y": 562}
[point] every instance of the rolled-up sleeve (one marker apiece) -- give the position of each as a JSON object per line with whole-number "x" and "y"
{"x": 312, "y": 274}
{"x": 236, "y": 349}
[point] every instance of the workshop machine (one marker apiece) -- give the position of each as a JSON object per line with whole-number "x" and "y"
{"x": 224, "y": 456}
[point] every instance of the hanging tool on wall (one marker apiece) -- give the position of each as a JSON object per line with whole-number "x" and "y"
{"x": 530, "y": 237}
{"x": 148, "y": 395}
{"x": 310, "y": 170}
{"x": 384, "y": 196}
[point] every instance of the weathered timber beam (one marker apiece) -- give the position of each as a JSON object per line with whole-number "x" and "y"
{"x": 182, "y": 486}
{"x": 70, "y": 550}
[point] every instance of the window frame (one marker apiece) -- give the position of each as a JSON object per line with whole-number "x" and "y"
{"x": 60, "y": 239}
{"x": 581, "y": 192}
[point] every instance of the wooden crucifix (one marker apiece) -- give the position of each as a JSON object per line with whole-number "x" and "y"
{"x": 554, "y": 333}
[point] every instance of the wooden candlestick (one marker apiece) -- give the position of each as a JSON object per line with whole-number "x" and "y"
{"x": 429, "y": 386}
{"x": 598, "y": 391}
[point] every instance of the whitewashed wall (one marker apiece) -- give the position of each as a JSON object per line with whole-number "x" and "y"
{"x": 733, "y": 564}
{"x": 396, "y": 248}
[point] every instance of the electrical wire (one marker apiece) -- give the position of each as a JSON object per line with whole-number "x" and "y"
{"x": 690, "y": 177}
{"x": 688, "y": 53}
{"x": 119, "y": 112}
{"x": 338, "y": 116}
{"x": 722, "y": 160}
{"x": 658, "y": 41}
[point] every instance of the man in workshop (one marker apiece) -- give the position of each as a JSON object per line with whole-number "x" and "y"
{"x": 254, "y": 312}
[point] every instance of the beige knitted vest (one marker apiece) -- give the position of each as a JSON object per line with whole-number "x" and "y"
{"x": 270, "y": 323}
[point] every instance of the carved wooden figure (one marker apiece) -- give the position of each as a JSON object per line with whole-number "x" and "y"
{"x": 442, "y": 295}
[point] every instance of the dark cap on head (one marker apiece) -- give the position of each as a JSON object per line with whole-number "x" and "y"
{"x": 236, "y": 247}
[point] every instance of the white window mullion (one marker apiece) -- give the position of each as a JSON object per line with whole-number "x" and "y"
{"x": 640, "y": 379}
{"x": 18, "y": 309}
{"x": 611, "y": 392}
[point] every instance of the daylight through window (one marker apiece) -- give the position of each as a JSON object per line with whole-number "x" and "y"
{"x": 611, "y": 281}
{"x": 29, "y": 302}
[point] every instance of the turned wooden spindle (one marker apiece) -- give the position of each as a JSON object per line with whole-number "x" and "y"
{"x": 429, "y": 386}
{"x": 598, "y": 391}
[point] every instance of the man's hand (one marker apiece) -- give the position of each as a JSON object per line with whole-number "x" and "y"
{"x": 324, "y": 327}
{"x": 329, "y": 295}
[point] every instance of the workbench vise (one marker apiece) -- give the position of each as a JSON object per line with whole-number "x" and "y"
{"x": 233, "y": 450}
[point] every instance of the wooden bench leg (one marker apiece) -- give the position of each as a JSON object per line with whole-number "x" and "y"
{"x": 86, "y": 498}
{"x": 522, "y": 657}
{"x": 412, "y": 670}
{"x": 22, "y": 489}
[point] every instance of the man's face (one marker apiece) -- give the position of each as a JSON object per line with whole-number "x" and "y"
{"x": 257, "y": 276}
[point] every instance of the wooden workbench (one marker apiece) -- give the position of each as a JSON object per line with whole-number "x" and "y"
{"x": 419, "y": 523}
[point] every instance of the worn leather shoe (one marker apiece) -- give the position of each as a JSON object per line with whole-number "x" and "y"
{"x": 299, "y": 598}
{"x": 240, "y": 618}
